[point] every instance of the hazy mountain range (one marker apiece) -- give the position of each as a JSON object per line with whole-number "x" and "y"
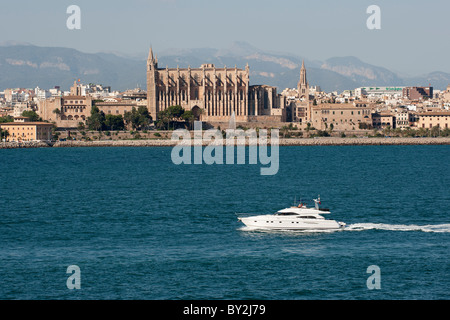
{"x": 27, "y": 66}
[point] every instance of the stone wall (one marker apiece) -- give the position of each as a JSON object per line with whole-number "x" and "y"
{"x": 25, "y": 144}
{"x": 323, "y": 141}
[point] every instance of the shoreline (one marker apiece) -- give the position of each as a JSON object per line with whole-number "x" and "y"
{"x": 322, "y": 141}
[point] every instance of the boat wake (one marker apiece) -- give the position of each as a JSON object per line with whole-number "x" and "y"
{"x": 439, "y": 228}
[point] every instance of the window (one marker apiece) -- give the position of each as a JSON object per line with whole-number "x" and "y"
{"x": 287, "y": 213}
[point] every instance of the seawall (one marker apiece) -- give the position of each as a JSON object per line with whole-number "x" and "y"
{"x": 323, "y": 141}
{"x": 25, "y": 144}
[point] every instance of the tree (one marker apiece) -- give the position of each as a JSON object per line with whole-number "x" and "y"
{"x": 285, "y": 131}
{"x": 138, "y": 118}
{"x": 434, "y": 132}
{"x": 408, "y": 132}
{"x": 323, "y": 133}
{"x": 365, "y": 126}
{"x": 445, "y": 132}
{"x": 189, "y": 117}
{"x": 6, "y": 119}
{"x": 97, "y": 119}
{"x": 331, "y": 127}
{"x": 422, "y": 132}
{"x": 176, "y": 111}
{"x": 81, "y": 126}
{"x": 32, "y": 115}
{"x": 171, "y": 114}
{"x": 308, "y": 128}
{"x": 387, "y": 130}
{"x": 145, "y": 118}
{"x": 57, "y": 111}
{"x": 4, "y": 134}
{"x": 164, "y": 120}
{"x": 114, "y": 122}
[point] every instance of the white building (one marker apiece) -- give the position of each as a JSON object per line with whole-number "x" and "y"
{"x": 41, "y": 94}
{"x": 379, "y": 92}
{"x": 55, "y": 92}
{"x": 19, "y": 108}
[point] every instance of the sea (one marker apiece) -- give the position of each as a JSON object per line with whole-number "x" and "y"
{"x": 129, "y": 224}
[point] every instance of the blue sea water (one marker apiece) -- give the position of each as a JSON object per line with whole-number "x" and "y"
{"x": 140, "y": 227}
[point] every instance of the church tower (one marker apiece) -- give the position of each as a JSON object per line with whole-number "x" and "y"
{"x": 303, "y": 86}
{"x": 152, "y": 91}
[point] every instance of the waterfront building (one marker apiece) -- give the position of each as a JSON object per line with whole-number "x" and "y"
{"x": 382, "y": 120}
{"x": 119, "y": 106}
{"x": 404, "y": 118}
{"x": 66, "y": 111}
{"x": 428, "y": 120}
{"x": 212, "y": 94}
{"x": 23, "y": 130}
{"x": 343, "y": 116}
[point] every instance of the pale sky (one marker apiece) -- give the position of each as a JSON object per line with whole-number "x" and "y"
{"x": 414, "y": 36}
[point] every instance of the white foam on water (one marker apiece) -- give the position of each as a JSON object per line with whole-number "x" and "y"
{"x": 439, "y": 228}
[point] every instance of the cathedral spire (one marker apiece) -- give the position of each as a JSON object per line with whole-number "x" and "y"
{"x": 303, "y": 80}
{"x": 150, "y": 55}
{"x": 303, "y": 87}
{"x": 152, "y": 61}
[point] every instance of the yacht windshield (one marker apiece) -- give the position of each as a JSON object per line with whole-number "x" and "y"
{"x": 287, "y": 213}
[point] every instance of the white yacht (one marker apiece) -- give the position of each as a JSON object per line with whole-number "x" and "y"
{"x": 297, "y": 217}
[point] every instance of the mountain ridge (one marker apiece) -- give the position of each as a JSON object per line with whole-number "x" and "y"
{"x": 29, "y": 66}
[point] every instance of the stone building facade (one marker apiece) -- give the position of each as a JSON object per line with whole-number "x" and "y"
{"x": 213, "y": 94}
{"x": 428, "y": 120}
{"x": 120, "y": 107}
{"x": 67, "y": 111}
{"x": 343, "y": 116}
{"x": 23, "y": 130}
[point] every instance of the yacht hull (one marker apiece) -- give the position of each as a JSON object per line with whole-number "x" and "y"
{"x": 275, "y": 223}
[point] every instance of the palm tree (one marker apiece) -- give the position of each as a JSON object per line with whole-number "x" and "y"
{"x": 308, "y": 127}
{"x": 434, "y": 132}
{"x": 285, "y": 130}
{"x": 4, "y": 134}
{"x": 189, "y": 117}
{"x": 57, "y": 111}
{"x": 331, "y": 128}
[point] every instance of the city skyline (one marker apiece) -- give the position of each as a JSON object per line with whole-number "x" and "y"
{"x": 408, "y": 34}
